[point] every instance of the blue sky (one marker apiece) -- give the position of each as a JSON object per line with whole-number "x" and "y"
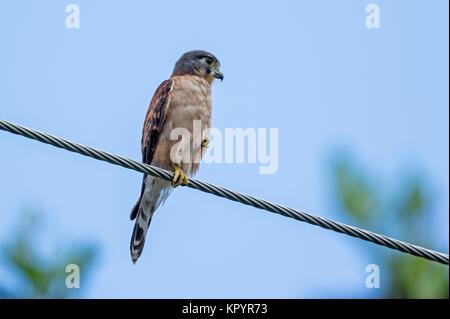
{"x": 312, "y": 69}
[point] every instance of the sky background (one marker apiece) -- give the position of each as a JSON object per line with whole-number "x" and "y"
{"x": 312, "y": 69}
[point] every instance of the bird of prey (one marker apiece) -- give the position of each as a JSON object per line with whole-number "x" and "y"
{"x": 177, "y": 103}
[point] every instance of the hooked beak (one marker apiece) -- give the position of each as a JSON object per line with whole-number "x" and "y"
{"x": 218, "y": 75}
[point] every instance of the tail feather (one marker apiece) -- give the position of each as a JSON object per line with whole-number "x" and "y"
{"x": 136, "y": 207}
{"x": 154, "y": 192}
{"x": 139, "y": 233}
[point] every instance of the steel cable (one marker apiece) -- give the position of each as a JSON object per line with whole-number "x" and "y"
{"x": 228, "y": 194}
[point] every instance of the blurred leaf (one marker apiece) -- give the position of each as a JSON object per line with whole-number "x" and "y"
{"x": 356, "y": 195}
{"x": 43, "y": 277}
{"x": 417, "y": 278}
{"x": 410, "y": 277}
{"x": 413, "y": 200}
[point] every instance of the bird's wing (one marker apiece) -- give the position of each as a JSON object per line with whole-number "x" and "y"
{"x": 154, "y": 120}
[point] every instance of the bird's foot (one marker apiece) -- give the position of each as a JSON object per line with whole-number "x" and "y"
{"x": 205, "y": 142}
{"x": 179, "y": 177}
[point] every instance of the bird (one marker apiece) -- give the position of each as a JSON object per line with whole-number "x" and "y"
{"x": 178, "y": 103}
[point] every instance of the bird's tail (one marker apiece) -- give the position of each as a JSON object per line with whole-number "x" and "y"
{"x": 143, "y": 219}
{"x": 154, "y": 192}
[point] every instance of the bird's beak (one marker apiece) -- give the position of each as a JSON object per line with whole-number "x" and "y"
{"x": 217, "y": 74}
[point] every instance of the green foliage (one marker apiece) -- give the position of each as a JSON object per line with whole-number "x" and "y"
{"x": 41, "y": 276}
{"x": 355, "y": 192}
{"x": 403, "y": 213}
{"x": 413, "y": 200}
{"x": 417, "y": 278}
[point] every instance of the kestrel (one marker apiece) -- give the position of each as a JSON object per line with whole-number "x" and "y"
{"x": 178, "y": 103}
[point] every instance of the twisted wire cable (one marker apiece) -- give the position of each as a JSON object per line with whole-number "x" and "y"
{"x": 229, "y": 194}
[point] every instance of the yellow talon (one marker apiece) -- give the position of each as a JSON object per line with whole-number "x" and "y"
{"x": 179, "y": 177}
{"x": 205, "y": 142}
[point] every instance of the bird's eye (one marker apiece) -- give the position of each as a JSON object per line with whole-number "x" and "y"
{"x": 208, "y": 60}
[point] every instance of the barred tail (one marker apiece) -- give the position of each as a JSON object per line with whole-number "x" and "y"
{"x": 154, "y": 191}
{"x": 139, "y": 232}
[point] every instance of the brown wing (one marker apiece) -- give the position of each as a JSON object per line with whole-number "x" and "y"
{"x": 154, "y": 120}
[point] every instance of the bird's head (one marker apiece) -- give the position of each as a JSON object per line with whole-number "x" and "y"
{"x": 200, "y": 63}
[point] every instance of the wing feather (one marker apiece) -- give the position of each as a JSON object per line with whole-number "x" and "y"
{"x": 154, "y": 120}
{"x": 156, "y": 114}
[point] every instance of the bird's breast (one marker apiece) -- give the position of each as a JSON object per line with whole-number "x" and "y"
{"x": 190, "y": 101}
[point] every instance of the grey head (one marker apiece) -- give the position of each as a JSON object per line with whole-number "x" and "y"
{"x": 200, "y": 63}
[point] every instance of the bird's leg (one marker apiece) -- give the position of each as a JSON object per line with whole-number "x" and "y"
{"x": 205, "y": 142}
{"x": 179, "y": 177}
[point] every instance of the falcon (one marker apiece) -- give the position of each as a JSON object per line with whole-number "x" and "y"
{"x": 178, "y": 103}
